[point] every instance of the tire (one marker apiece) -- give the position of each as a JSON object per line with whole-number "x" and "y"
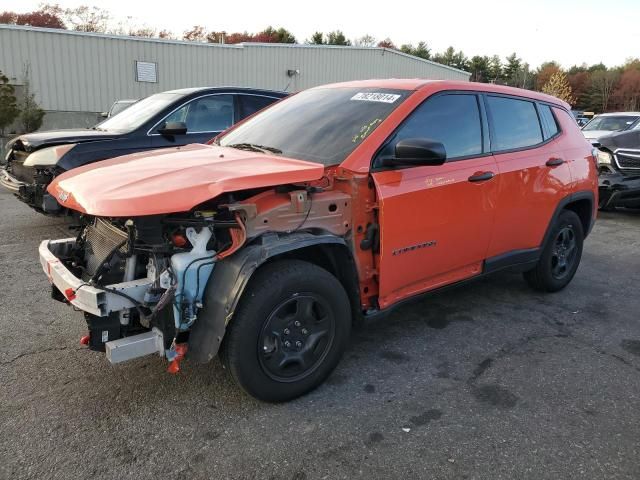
{"x": 287, "y": 301}
{"x": 561, "y": 255}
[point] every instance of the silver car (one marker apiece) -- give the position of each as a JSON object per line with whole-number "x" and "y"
{"x": 607, "y": 123}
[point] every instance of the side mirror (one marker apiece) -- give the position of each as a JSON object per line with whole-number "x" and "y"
{"x": 104, "y": 114}
{"x": 418, "y": 151}
{"x": 173, "y": 128}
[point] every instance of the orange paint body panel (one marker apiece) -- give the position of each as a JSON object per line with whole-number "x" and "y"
{"x": 435, "y": 225}
{"x": 173, "y": 180}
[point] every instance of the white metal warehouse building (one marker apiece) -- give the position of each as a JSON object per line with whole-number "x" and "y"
{"x": 77, "y": 75}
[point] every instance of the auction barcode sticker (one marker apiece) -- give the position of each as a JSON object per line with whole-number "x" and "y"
{"x": 376, "y": 97}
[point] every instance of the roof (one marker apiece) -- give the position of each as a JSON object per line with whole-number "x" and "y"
{"x": 421, "y": 83}
{"x": 236, "y": 45}
{"x": 189, "y": 91}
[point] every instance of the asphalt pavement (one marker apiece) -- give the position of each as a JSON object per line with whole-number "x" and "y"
{"x": 486, "y": 381}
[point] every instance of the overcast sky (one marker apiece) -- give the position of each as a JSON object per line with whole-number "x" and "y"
{"x": 568, "y": 31}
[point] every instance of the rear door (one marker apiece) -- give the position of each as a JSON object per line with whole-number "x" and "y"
{"x": 436, "y": 221}
{"x": 205, "y": 117}
{"x": 535, "y": 176}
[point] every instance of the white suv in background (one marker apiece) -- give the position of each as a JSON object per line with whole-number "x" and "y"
{"x": 607, "y": 123}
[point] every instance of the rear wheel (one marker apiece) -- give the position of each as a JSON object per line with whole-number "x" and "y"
{"x": 560, "y": 255}
{"x": 289, "y": 331}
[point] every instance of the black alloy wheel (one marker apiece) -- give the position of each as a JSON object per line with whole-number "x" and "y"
{"x": 296, "y": 337}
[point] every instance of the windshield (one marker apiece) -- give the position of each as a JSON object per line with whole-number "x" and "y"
{"x": 321, "y": 125}
{"x": 138, "y": 113}
{"x": 119, "y": 107}
{"x": 611, "y": 123}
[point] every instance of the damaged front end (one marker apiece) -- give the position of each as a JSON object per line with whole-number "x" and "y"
{"x": 28, "y": 173}
{"x": 142, "y": 282}
{"x": 139, "y": 281}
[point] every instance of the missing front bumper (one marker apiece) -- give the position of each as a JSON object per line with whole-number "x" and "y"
{"x": 85, "y": 297}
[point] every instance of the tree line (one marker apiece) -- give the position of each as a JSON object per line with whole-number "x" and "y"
{"x": 586, "y": 87}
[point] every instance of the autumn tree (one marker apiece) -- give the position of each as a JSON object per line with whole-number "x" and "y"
{"x": 271, "y": 35}
{"x": 602, "y": 85}
{"x": 386, "y": 43}
{"x": 544, "y": 73}
{"x": 559, "y": 87}
{"x": 146, "y": 32}
{"x": 8, "y": 103}
{"x": 580, "y": 82}
{"x": 166, "y": 34}
{"x": 196, "y": 34}
{"x": 238, "y": 37}
{"x": 626, "y": 95}
{"x": 87, "y": 19}
{"x": 365, "y": 41}
{"x": 45, "y": 17}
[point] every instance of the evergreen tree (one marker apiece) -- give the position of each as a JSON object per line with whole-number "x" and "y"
{"x": 8, "y": 103}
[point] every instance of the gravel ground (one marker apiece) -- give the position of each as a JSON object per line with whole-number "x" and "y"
{"x": 489, "y": 380}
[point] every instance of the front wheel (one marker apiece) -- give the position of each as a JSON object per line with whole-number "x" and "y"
{"x": 289, "y": 331}
{"x": 561, "y": 255}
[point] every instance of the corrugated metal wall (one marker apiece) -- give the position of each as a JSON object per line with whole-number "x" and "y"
{"x": 86, "y": 72}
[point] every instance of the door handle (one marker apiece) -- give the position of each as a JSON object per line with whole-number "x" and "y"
{"x": 481, "y": 177}
{"x": 554, "y": 162}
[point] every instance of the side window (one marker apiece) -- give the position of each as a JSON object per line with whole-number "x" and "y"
{"x": 250, "y": 104}
{"x": 515, "y": 123}
{"x": 206, "y": 114}
{"x": 453, "y": 120}
{"x": 549, "y": 124}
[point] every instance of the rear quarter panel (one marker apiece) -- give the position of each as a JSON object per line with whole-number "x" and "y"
{"x": 577, "y": 152}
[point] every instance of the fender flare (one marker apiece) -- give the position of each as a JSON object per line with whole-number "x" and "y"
{"x": 229, "y": 280}
{"x": 573, "y": 197}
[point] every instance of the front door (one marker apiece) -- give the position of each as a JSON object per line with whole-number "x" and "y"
{"x": 436, "y": 221}
{"x": 205, "y": 117}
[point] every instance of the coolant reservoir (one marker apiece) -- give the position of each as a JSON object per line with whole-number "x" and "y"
{"x": 192, "y": 270}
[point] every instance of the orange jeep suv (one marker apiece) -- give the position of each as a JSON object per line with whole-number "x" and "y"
{"x": 337, "y": 203}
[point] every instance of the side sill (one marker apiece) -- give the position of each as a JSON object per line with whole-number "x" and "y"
{"x": 515, "y": 261}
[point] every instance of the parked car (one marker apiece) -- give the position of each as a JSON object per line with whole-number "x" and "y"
{"x": 265, "y": 245}
{"x": 607, "y": 123}
{"x": 169, "y": 119}
{"x": 619, "y": 166}
{"x": 117, "y": 107}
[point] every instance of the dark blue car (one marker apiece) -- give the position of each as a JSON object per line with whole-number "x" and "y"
{"x": 168, "y": 119}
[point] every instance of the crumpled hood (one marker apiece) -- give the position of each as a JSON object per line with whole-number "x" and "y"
{"x": 173, "y": 180}
{"x": 629, "y": 139}
{"x": 36, "y": 140}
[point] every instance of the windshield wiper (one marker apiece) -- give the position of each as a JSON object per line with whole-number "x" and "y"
{"x": 252, "y": 147}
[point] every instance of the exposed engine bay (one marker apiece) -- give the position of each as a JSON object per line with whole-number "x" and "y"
{"x": 141, "y": 281}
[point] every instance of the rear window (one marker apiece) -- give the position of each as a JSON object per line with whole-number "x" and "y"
{"x": 549, "y": 125}
{"x": 515, "y": 123}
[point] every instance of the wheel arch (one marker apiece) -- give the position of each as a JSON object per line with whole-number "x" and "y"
{"x": 583, "y": 204}
{"x": 232, "y": 275}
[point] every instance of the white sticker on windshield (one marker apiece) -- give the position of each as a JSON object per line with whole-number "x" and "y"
{"x": 376, "y": 97}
